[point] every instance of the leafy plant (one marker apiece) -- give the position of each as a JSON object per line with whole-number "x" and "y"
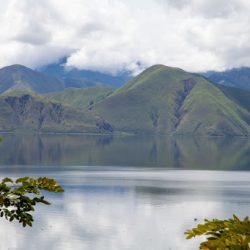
{"x": 231, "y": 234}
{"x": 18, "y": 198}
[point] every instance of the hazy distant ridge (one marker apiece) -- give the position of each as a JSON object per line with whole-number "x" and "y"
{"x": 19, "y": 77}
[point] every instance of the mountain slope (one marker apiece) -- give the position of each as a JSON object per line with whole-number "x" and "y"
{"x": 238, "y": 77}
{"x": 84, "y": 98}
{"x": 74, "y": 82}
{"x": 241, "y": 97}
{"x": 31, "y": 112}
{"x": 170, "y": 100}
{"x": 161, "y": 100}
{"x": 20, "y": 77}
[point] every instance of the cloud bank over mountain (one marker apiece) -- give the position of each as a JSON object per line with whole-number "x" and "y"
{"x": 116, "y": 35}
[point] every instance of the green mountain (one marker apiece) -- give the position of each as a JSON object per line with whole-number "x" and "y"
{"x": 237, "y": 77}
{"x": 18, "y": 77}
{"x": 161, "y": 100}
{"x": 31, "y": 112}
{"x": 169, "y": 100}
{"x": 85, "y": 98}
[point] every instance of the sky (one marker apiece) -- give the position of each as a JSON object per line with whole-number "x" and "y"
{"x": 112, "y": 36}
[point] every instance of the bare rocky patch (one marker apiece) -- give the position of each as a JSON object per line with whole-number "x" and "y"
{"x": 179, "y": 113}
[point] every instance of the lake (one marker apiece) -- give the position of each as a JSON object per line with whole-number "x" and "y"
{"x": 126, "y": 192}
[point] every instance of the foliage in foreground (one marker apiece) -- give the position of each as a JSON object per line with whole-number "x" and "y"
{"x": 18, "y": 198}
{"x": 231, "y": 234}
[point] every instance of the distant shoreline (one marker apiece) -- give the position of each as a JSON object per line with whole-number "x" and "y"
{"x": 123, "y": 134}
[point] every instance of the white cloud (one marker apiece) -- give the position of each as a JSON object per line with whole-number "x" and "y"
{"x": 116, "y": 35}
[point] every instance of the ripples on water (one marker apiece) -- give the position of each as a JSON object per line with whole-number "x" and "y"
{"x": 146, "y": 205}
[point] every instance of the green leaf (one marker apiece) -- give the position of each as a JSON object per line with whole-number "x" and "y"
{"x": 233, "y": 234}
{"x": 6, "y": 179}
{"x": 15, "y": 200}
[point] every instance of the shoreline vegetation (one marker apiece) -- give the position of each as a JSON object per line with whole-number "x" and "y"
{"x": 19, "y": 197}
{"x": 227, "y": 234}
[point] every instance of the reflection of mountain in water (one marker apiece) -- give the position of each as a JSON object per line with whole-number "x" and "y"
{"x": 84, "y": 150}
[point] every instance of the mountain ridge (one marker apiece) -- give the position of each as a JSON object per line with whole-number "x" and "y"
{"x": 160, "y": 100}
{"x": 20, "y": 77}
{"x": 58, "y": 69}
{"x": 236, "y": 77}
{"x": 35, "y": 113}
{"x": 183, "y": 95}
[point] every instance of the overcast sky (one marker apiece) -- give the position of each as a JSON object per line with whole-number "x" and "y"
{"x": 115, "y": 35}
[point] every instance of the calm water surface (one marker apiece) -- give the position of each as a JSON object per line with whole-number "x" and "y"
{"x": 126, "y": 192}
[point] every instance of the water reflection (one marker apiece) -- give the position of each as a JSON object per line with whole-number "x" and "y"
{"x": 167, "y": 152}
{"x": 110, "y": 210}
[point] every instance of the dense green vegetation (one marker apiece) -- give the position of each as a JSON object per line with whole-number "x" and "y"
{"x": 18, "y": 198}
{"x": 232, "y": 234}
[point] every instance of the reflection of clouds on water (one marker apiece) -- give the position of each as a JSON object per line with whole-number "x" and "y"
{"x": 99, "y": 225}
{"x": 127, "y": 210}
